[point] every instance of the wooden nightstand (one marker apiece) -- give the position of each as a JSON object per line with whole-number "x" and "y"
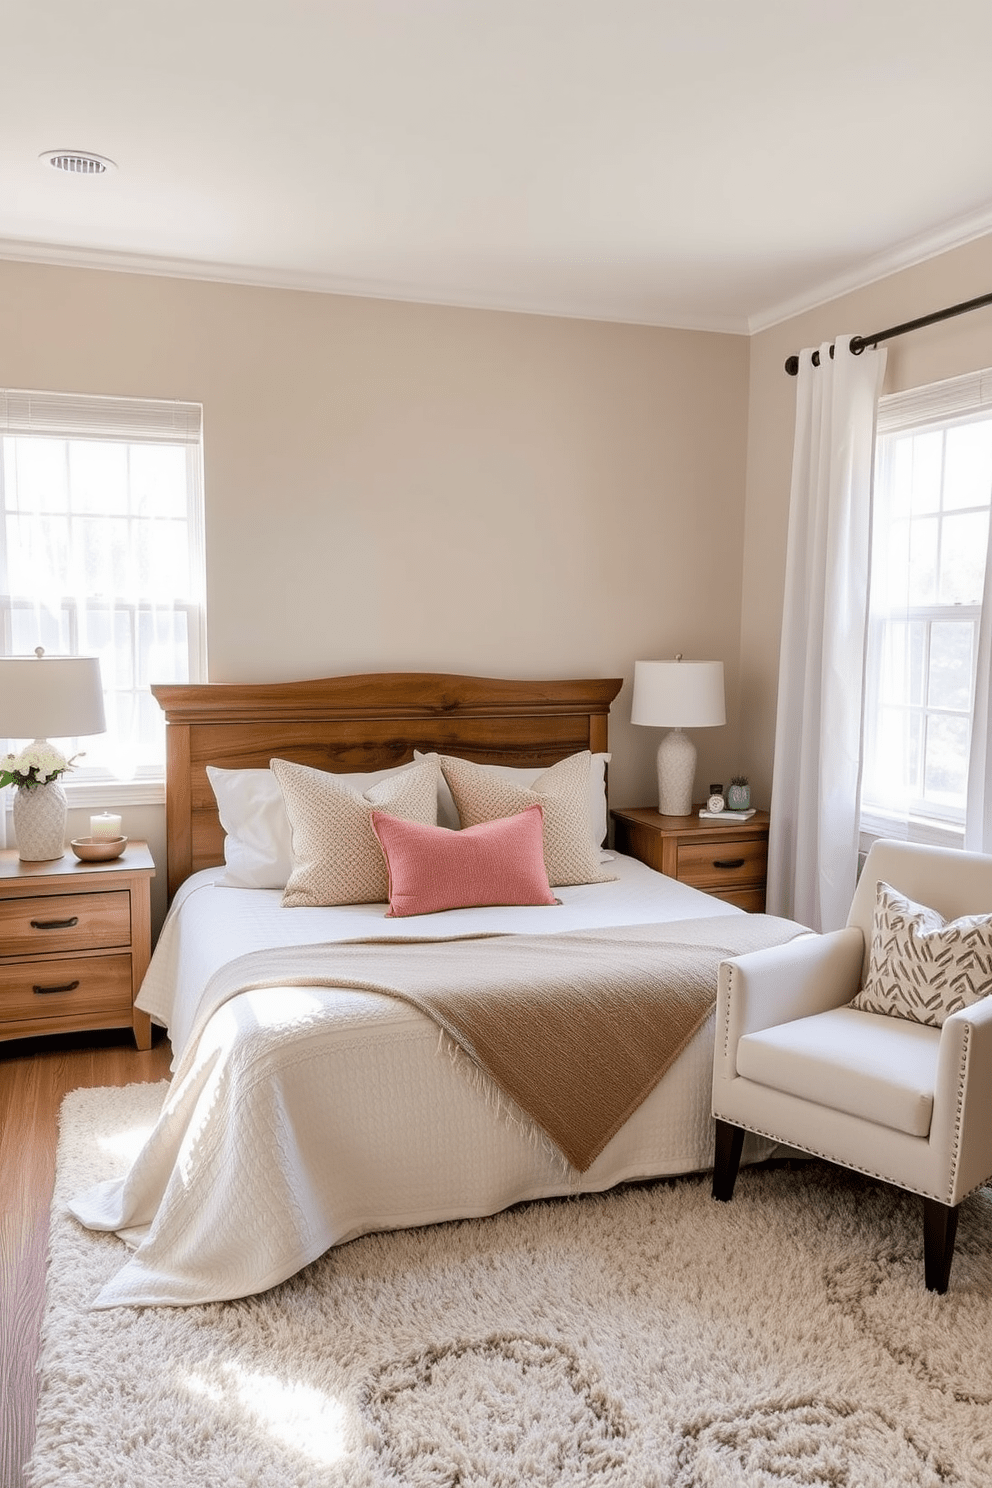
{"x": 75, "y": 941}
{"x": 728, "y": 859}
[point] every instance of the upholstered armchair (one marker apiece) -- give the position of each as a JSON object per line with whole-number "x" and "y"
{"x": 889, "y": 1096}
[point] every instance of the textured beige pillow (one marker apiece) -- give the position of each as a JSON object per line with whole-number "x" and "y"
{"x": 336, "y": 855}
{"x": 921, "y": 966}
{"x": 563, "y": 794}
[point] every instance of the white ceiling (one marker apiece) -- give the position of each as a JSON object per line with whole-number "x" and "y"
{"x": 705, "y": 163}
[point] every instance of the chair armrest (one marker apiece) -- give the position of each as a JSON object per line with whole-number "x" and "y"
{"x": 781, "y": 983}
{"x": 962, "y": 1102}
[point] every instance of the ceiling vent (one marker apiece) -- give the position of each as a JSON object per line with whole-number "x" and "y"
{"x": 78, "y": 162}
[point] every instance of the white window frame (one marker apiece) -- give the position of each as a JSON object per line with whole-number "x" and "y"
{"x": 128, "y": 421}
{"x": 956, "y": 400}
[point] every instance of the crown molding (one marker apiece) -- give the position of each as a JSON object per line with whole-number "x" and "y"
{"x": 251, "y": 277}
{"x": 905, "y": 255}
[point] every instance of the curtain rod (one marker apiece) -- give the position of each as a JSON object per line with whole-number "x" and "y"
{"x": 859, "y": 343}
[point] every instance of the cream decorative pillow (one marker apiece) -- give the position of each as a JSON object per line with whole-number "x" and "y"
{"x": 921, "y": 966}
{"x": 447, "y": 814}
{"x": 336, "y": 855}
{"x": 563, "y": 794}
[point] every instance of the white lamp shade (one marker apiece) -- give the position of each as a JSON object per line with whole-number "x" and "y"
{"x": 50, "y": 697}
{"x": 678, "y": 694}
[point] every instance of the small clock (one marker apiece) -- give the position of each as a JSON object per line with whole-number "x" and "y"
{"x": 716, "y": 801}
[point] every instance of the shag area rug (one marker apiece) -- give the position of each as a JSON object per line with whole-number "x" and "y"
{"x": 646, "y": 1338}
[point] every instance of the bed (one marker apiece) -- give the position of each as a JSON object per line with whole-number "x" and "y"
{"x": 303, "y": 1114}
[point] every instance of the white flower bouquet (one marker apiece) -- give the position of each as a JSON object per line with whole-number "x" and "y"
{"x": 36, "y": 764}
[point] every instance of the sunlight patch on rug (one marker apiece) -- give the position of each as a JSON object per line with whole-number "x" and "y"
{"x": 304, "y": 1418}
{"x": 648, "y": 1338}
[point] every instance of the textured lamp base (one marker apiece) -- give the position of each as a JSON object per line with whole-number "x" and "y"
{"x": 39, "y": 822}
{"x": 676, "y": 773}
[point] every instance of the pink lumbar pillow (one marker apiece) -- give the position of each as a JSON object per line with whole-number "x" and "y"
{"x": 433, "y": 868}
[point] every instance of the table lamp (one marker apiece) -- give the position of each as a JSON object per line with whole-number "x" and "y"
{"x": 43, "y": 696}
{"x": 677, "y": 695}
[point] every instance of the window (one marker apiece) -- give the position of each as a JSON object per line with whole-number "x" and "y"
{"x": 101, "y": 553}
{"x": 930, "y": 538}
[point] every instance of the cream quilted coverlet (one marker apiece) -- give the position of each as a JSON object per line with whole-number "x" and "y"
{"x": 302, "y": 1116}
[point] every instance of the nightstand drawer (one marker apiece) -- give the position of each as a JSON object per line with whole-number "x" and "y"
{"x": 723, "y": 865}
{"x": 54, "y": 923}
{"x": 76, "y": 987}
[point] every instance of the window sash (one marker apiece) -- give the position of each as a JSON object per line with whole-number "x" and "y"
{"x": 940, "y": 407}
{"x": 123, "y": 621}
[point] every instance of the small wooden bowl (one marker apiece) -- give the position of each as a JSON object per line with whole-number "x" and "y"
{"x": 98, "y": 849}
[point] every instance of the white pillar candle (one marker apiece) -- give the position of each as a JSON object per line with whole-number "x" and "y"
{"x": 105, "y": 826}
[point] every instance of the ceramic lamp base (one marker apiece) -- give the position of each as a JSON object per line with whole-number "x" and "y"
{"x": 676, "y": 773}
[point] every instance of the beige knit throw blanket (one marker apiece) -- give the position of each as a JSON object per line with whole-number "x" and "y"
{"x": 576, "y": 1028}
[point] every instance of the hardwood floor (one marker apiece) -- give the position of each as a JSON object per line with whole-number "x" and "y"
{"x": 35, "y": 1074}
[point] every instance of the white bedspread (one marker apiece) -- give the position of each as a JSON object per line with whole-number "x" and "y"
{"x": 302, "y": 1117}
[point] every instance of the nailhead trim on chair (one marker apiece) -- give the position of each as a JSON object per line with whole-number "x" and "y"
{"x": 962, "y": 1081}
{"x": 760, "y": 1131}
{"x": 726, "y": 1017}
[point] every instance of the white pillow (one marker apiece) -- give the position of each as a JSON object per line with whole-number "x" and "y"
{"x": 258, "y": 847}
{"x": 525, "y": 775}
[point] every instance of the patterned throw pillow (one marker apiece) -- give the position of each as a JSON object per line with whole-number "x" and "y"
{"x": 336, "y": 855}
{"x": 562, "y": 792}
{"x": 923, "y": 967}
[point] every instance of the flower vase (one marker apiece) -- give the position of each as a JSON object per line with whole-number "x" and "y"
{"x": 39, "y": 821}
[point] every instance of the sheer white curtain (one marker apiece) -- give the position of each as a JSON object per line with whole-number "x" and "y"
{"x": 813, "y": 843}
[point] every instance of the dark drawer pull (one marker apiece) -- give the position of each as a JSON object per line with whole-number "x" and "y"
{"x": 54, "y": 924}
{"x": 69, "y": 987}
{"x": 729, "y": 863}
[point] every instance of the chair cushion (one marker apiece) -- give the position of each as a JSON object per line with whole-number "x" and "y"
{"x": 922, "y": 966}
{"x": 878, "y": 1068}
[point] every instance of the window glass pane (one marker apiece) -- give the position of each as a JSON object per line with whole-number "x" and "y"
{"x": 946, "y": 774}
{"x": 903, "y": 653}
{"x": 927, "y": 467}
{"x": 899, "y": 753}
{"x": 36, "y": 475}
{"x": 101, "y": 562}
{"x": 98, "y": 476}
{"x": 963, "y": 545}
{"x": 162, "y": 647}
{"x": 162, "y": 554}
{"x": 951, "y": 645}
{"x": 922, "y": 589}
{"x": 158, "y": 480}
{"x": 890, "y": 569}
{"x": 900, "y": 476}
{"x": 31, "y": 627}
{"x": 106, "y": 633}
{"x": 37, "y": 555}
{"x": 968, "y": 465}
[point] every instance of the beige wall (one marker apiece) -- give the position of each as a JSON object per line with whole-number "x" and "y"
{"x": 393, "y": 486}
{"x": 955, "y": 346}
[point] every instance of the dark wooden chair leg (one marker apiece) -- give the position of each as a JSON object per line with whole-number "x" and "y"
{"x": 940, "y": 1224}
{"x": 727, "y": 1159}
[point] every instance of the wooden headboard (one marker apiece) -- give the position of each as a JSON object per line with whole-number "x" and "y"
{"x": 359, "y": 723}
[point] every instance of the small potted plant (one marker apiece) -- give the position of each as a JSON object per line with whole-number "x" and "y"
{"x": 738, "y": 794}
